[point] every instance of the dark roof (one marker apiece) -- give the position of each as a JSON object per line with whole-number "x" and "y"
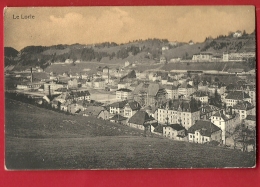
{"x": 237, "y": 95}
{"x": 134, "y": 105}
{"x": 120, "y": 104}
{"x": 93, "y": 110}
{"x": 78, "y": 93}
{"x": 251, "y": 117}
{"x": 206, "y": 128}
{"x": 140, "y": 118}
{"x": 180, "y": 105}
{"x": 124, "y": 90}
{"x": 170, "y": 87}
{"x": 176, "y": 127}
{"x": 185, "y": 85}
{"x": 220, "y": 114}
{"x": 151, "y": 89}
{"x": 245, "y": 105}
{"x": 205, "y": 109}
{"x": 199, "y": 94}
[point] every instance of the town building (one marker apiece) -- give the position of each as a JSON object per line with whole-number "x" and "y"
{"x": 149, "y": 94}
{"x": 226, "y": 123}
{"x": 96, "y": 111}
{"x": 234, "y": 97}
{"x": 185, "y": 89}
{"x": 124, "y": 94}
{"x": 117, "y": 107}
{"x": 131, "y": 108}
{"x": 244, "y": 108}
{"x": 172, "y": 91}
{"x": 174, "y": 132}
{"x": 200, "y": 57}
{"x": 201, "y": 96}
{"x": 141, "y": 120}
{"x": 178, "y": 111}
{"x": 204, "y": 132}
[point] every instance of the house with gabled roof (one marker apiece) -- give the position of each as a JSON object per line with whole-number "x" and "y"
{"x": 236, "y": 96}
{"x": 117, "y": 107}
{"x": 82, "y": 95}
{"x": 226, "y": 123}
{"x": 172, "y": 91}
{"x": 204, "y": 132}
{"x": 186, "y": 89}
{"x": 149, "y": 94}
{"x": 96, "y": 111}
{"x": 117, "y": 118}
{"x": 131, "y": 108}
{"x": 201, "y": 96}
{"x": 244, "y": 108}
{"x": 141, "y": 120}
{"x": 175, "y": 132}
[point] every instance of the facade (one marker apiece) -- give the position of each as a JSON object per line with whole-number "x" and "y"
{"x": 177, "y": 111}
{"x": 206, "y": 111}
{"x": 117, "y": 107}
{"x": 80, "y": 95}
{"x": 99, "y": 83}
{"x": 185, "y": 89}
{"x": 124, "y": 94}
{"x": 202, "y": 57}
{"x": 226, "y": 123}
{"x": 131, "y": 108}
{"x": 96, "y": 111}
{"x": 141, "y": 120}
{"x": 172, "y": 91}
{"x": 149, "y": 94}
{"x": 236, "y": 96}
{"x": 174, "y": 132}
{"x": 244, "y": 108}
{"x": 201, "y": 96}
{"x": 204, "y": 132}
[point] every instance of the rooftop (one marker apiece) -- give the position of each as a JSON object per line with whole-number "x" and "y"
{"x": 206, "y": 128}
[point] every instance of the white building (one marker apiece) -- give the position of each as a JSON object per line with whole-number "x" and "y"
{"x": 226, "y": 123}
{"x": 124, "y": 94}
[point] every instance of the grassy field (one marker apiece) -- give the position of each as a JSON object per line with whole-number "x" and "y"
{"x": 40, "y": 139}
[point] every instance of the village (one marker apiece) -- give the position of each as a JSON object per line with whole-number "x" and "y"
{"x": 205, "y": 107}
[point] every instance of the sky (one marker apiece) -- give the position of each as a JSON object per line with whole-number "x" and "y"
{"x": 89, "y": 25}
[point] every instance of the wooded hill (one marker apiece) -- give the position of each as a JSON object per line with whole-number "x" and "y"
{"x": 140, "y": 51}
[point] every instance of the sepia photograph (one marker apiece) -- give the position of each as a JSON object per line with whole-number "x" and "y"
{"x": 130, "y": 87}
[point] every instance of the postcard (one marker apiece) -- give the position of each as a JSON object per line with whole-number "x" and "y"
{"x": 130, "y": 87}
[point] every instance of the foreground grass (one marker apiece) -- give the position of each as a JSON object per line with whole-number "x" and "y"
{"x": 37, "y": 141}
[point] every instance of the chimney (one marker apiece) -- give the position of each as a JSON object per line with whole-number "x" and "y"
{"x": 31, "y": 75}
{"x": 49, "y": 88}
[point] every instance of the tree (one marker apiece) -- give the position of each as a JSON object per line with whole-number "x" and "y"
{"x": 244, "y": 136}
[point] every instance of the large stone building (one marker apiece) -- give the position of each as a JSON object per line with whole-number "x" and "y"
{"x": 178, "y": 111}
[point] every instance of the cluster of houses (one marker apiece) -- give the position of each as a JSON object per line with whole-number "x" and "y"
{"x": 174, "y": 105}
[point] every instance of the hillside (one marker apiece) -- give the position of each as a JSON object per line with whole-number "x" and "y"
{"x": 138, "y": 51}
{"x": 41, "y": 139}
